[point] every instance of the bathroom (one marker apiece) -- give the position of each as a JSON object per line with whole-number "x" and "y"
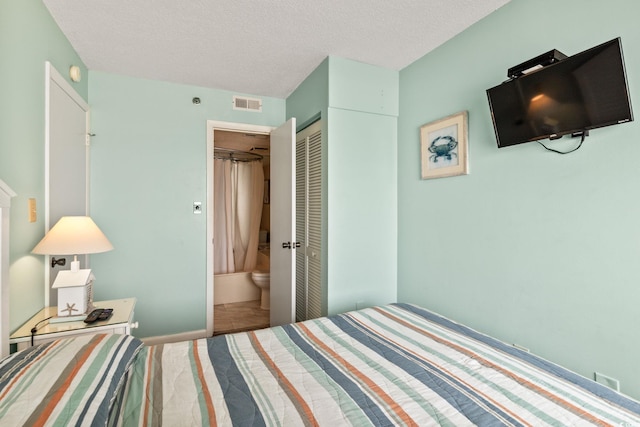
{"x": 241, "y": 231}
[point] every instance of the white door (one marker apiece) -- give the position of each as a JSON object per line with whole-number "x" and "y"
{"x": 283, "y": 224}
{"x": 6, "y": 194}
{"x": 66, "y": 152}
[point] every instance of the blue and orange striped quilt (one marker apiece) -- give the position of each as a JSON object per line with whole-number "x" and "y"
{"x": 67, "y": 382}
{"x": 382, "y": 366}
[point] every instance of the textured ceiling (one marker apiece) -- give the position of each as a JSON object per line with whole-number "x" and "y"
{"x": 259, "y": 47}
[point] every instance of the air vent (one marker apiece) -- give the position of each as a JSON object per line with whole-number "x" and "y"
{"x": 247, "y": 104}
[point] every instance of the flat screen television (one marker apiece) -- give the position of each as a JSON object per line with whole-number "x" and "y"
{"x": 582, "y": 92}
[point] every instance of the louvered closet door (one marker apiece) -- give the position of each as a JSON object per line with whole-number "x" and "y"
{"x": 314, "y": 225}
{"x": 301, "y": 235}
{"x": 309, "y": 222}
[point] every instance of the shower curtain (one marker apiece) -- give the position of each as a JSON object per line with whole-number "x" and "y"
{"x": 238, "y": 190}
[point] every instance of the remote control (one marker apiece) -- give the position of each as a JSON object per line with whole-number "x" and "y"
{"x": 106, "y": 314}
{"x": 93, "y": 316}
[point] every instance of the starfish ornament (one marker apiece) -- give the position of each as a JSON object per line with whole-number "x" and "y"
{"x": 70, "y": 309}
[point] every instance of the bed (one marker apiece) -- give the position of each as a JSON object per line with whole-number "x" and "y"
{"x": 383, "y": 366}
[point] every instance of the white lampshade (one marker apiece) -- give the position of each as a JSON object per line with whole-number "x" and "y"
{"x": 73, "y": 235}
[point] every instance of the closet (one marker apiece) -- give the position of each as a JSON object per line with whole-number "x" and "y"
{"x": 309, "y": 222}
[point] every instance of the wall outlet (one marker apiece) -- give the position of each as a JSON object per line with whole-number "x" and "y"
{"x": 606, "y": 380}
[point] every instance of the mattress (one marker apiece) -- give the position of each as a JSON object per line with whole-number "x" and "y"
{"x": 383, "y": 366}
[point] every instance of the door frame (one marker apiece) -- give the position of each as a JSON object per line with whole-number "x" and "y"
{"x": 6, "y": 193}
{"x": 53, "y": 77}
{"x": 213, "y": 125}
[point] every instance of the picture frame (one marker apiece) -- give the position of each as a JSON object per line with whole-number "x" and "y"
{"x": 444, "y": 148}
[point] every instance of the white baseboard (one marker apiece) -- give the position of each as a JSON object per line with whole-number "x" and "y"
{"x": 183, "y": 336}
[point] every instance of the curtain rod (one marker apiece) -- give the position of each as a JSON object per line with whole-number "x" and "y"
{"x": 237, "y": 155}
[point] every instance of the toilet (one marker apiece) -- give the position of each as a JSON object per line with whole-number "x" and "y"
{"x": 261, "y": 276}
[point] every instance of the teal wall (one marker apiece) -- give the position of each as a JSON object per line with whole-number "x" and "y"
{"x": 308, "y": 103}
{"x": 359, "y": 107}
{"x": 362, "y": 215}
{"x": 148, "y": 166}
{"x": 362, "y": 182}
{"x": 28, "y": 38}
{"x": 310, "y": 100}
{"x": 532, "y": 247}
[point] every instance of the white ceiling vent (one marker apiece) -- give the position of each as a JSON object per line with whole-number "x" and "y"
{"x": 247, "y": 104}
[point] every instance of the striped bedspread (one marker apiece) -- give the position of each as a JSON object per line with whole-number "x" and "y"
{"x": 68, "y": 382}
{"x": 383, "y": 366}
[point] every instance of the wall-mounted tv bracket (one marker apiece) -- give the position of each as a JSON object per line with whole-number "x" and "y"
{"x": 582, "y": 134}
{"x": 536, "y": 63}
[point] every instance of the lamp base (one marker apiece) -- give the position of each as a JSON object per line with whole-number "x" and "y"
{"x": 63, "y": 319}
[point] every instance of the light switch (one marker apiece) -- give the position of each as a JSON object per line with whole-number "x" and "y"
{"x": 197, "y": 207}
{"x": 32, "y": 210}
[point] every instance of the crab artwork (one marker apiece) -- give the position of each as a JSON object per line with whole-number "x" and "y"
{"x": 442, "y": 148}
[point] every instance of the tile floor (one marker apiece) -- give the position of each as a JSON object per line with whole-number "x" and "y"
{"x": 238, "y": 317}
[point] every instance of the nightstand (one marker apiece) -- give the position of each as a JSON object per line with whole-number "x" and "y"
{"x": 121, "y": 322}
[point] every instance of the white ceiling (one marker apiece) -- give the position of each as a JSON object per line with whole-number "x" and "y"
{"x": 258, "y": 47}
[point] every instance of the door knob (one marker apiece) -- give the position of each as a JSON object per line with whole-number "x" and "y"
{"x": 297, "y": 244}
{"x": 286, "y": 245}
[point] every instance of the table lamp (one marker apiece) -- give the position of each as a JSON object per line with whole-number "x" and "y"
{"x": 73, "y": 235}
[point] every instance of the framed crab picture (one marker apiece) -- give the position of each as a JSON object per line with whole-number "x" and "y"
{"x": 444, "y": 147}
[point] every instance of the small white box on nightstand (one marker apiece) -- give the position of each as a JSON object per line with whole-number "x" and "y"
{"x": 74, "y": 292}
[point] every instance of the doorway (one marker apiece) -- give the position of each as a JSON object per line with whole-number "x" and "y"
{"x": 241, "y": 229}
{"x": 282, "y": 224}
